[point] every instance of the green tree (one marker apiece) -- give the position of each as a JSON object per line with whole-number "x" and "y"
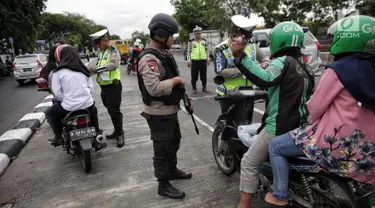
{"x": 114, "y": 37}
{"x": 207, "y": 14}
{"x": 18, "y": 20}
{"x": 139, "y": 35}
{"x": 74, "y": 28}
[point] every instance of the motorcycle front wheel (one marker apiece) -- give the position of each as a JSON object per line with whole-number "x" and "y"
{"x": 222, "y": 154}
{"x": 129, "y": 69}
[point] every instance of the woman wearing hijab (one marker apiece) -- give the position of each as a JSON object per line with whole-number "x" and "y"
{"x": 71, "y": 85}
{"x": 51, "y": 63}
{"x": 340, "y": 135}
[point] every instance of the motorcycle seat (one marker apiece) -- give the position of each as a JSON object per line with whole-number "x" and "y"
{"x": 303, "y": 160}
{"x": 77, "y": 113}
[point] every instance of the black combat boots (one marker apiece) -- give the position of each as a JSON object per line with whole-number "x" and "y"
{"x": 166, "y": 189}
{"x": 178, "y": 174}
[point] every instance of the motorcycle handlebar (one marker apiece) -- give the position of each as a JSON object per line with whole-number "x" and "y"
{"x": 258, "y": 94}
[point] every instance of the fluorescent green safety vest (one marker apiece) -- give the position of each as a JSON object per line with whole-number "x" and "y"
{"x": 232, "y": 83}
{"x": 198, "y": 50}
{"x": 105, "y": 59}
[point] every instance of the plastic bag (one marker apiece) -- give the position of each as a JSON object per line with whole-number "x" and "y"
{"x": 248, "y": 133}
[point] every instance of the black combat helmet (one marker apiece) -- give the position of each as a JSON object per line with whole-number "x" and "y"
{"x": 163, "y": 25}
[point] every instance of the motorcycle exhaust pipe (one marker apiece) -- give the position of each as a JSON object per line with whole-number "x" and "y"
{"x": 100, "y": 139}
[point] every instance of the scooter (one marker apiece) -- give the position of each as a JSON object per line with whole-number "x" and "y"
{"x": 310, "y": 185}
{"x": 132, "y": 67}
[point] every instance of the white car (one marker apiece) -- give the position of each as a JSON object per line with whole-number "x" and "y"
{"x": 28, "y": 66}
{"x": 176, "y": 46}
{"x": 311, "y": 48}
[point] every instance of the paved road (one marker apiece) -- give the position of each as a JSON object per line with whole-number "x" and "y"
{"x": 43, "y": 176}
{"x": 16, "y": 101}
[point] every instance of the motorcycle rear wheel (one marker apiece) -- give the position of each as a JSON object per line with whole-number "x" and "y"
{"x": 330, "y": 192}
{"x": 225, "y": 160}
{"x": 85, "y": 158}
{"x": 129, "y": 69}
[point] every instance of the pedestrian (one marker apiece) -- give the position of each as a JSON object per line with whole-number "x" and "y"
{"x": 9, "y": 63}
{"x": 110, "y": 83}
{"x": 224, "y": 60}
{"x": 197, "y": 55}
{"x": 160, "y": 85}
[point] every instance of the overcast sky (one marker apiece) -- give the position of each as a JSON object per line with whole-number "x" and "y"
{"x": 122, "y": 17}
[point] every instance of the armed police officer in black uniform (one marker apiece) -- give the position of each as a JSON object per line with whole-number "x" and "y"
{"x": 161, "y": 89}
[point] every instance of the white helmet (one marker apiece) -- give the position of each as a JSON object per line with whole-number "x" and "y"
{"x": 197, "y": 29}
{"x": 243, "y": 22}
{"x": 99, "y": 34}
{"x": 136, "y": 43}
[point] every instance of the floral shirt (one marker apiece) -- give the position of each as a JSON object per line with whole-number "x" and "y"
{"x": 340, "y": 135}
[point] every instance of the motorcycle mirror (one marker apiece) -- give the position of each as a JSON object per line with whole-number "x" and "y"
{"x": 219, "y": 80}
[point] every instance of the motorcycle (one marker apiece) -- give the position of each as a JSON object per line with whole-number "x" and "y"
{"x": 78, "y": 133}
{"x": 310, "y": 185}
{"x": 78, "y": 136}
{"x": 132, "y": 67}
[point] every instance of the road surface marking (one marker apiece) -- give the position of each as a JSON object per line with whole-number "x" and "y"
{"x": 203, "y": 97}
{"x": 207, "y": 126}
{"x": 30, "y": 116}
{"x": 48, "y": 104}
{"x": 22, "y": 134}
{"x": 49, "y": 97}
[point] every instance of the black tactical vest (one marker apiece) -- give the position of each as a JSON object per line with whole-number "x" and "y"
{"x": 171, "y": 70}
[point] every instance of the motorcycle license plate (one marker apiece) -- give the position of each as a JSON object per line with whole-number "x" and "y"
{"x": 84, "y": 133}
{"x": 27, "y": 70}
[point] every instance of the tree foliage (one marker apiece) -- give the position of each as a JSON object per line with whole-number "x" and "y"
{"x": 18, "y": 20}
{"x": 215, "y": 14}
{"x": 74, "y": 28}
{"x": 114, "y": 37}
{"x": 207, "y": 14}
{"x": 139, "y": 35}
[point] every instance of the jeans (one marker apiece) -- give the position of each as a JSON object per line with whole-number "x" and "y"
{"x": 279, "y": 148}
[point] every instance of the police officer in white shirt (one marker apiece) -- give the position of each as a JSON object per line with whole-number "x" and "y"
{"x": 71, "y": 86}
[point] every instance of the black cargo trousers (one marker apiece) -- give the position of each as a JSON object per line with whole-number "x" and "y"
{"x": 166, "y": 137}
{"x": 111, "y": 97}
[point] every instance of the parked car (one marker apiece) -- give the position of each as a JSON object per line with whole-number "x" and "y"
{"x": 311, "y": 48}
{"x": 28, "y": 67}
{"x": 176, "y": 46}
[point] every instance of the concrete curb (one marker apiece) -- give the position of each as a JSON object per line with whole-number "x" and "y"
{"x": 13, "y": 140}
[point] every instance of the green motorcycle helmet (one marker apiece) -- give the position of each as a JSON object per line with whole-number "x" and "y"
{"x": 353, "y": 34}
{"x": 286, "y": 35}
